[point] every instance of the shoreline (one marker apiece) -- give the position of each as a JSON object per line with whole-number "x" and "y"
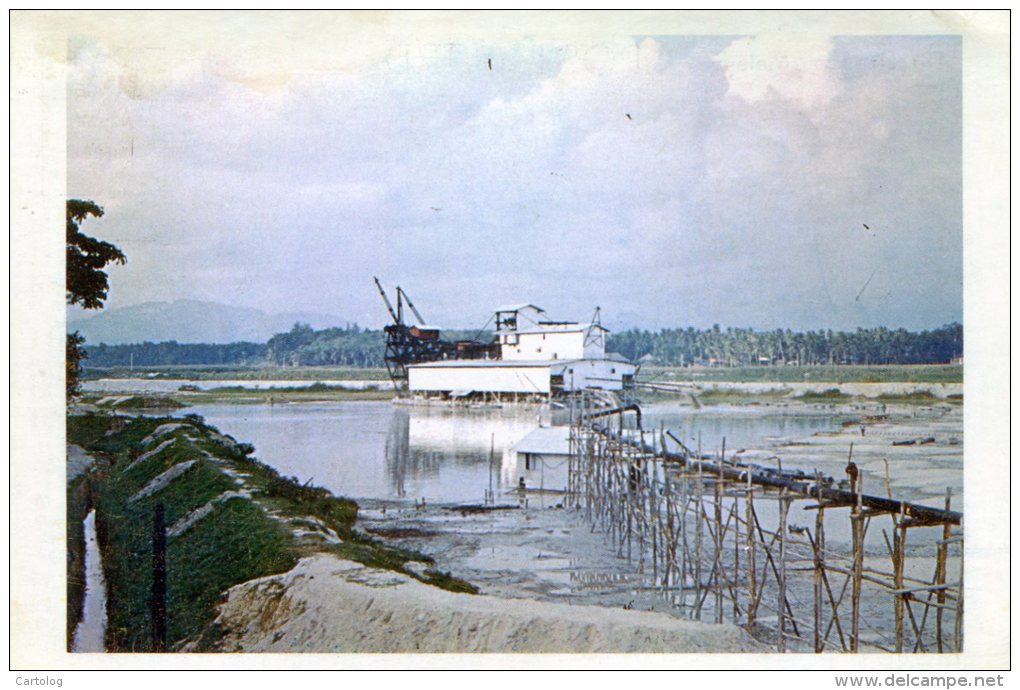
{"x": 133, "y": 397}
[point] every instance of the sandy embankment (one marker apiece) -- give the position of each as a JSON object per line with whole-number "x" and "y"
{"x": 326, "y": 604}
{"x": 856, "y": 389}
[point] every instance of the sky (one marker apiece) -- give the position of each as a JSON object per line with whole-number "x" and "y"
{"x": 781, "y": 179}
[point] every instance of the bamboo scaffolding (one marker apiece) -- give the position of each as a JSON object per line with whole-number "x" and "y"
{"x": 677, "y": 516}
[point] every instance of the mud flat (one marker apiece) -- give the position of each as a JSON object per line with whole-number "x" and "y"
{"x": 327, "y": 604}
{"x": 812, "y": 388}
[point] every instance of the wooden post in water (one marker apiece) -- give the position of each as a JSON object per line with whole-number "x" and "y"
{"x": 958, "y": 622}
{"x": 157, "y": 605}
{"x": 940, "y": 572}
{"x": 784, "y": 506}
{"x": 682, "y": 518}
{"x": 717, "y": 565}
{"x": 857, "y": 525}
{"x": 899, "y": 539}
{"x": 752, "y": 585}
{"x": 735, "y": 513}
{"x": 819, "y": 544}
{"x": 697, "y": 547}
{"x": 492, "y": 453}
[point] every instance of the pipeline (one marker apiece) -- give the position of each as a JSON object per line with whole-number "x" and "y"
{"x": 796, "y": 482}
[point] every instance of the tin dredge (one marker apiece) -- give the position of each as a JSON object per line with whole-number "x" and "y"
{"x": 531, "y": 359}
{"x": 694, "y": 524}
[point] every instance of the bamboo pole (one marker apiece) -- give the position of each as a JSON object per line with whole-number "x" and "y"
{"x": 752, "y": 588}
{"x": 719, "y": 535}
{"x": 857, "y": 519}
{"x": 958, "y": 622}
{"x": 685, "y": 561}
{"x": 818, "y": 542}
{"x": 784, "y": 506}
{"x": 940, "y": 572}
{"x": 735, "y": 588}
{"x": 697, "y": 545}
{"x": 899, "y": 536}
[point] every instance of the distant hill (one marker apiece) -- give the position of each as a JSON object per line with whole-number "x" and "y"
{"x": 190, "y": 321}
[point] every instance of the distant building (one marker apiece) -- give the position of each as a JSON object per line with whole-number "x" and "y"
{"x": 538, "y": 359}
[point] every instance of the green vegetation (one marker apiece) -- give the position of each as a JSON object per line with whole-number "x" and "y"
{"x": 447, "y": 581}
{"x": 747, "y": 347}
{"x": 74, "y": 355}
{"x": 86, "y": 429}
{"x": 86, "y": 281}
{"x": 141, "y": 402}
{"x": 238, "y": 372}
{"x": 830, "y": 395}
{"x": 236, "y": 519}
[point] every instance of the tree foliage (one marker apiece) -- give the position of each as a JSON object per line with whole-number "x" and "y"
{"x": 172, "y": 353}
{"x": 748, "y": 347}
{"x": 87, "y": 282}
{"x": 75, "y": 354}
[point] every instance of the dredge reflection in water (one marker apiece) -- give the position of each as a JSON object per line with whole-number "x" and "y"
{"x": 375, "y": 450}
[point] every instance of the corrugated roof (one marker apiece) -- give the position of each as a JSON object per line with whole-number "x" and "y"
{"x": 510, "y": 363}
{"x": 559, "y": 328}
{"x": 519, "y": 307}
{"x": 546, "y": 440}
{"x": 486, "y": 363}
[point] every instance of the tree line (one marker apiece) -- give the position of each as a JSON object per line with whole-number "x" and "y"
{"x": 353, "y": 346}
{"x": 748, "y": 347}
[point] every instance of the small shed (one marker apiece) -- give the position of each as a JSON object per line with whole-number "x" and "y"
{"x": 542, "y": 459}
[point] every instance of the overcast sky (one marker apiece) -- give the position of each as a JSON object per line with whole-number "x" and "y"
{"x": 774, "y": 180}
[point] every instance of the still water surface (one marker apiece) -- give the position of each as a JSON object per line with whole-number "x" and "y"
{"x": 379, "y": 450}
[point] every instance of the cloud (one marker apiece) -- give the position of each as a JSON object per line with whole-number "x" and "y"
{"x": 731, "y": 193}
{"x": 793, "y": 67}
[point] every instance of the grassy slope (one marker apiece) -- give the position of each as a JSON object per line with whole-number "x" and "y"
{"x": 239, "y": 541}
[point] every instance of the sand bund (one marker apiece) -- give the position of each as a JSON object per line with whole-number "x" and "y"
{"x": 326, "y": 604}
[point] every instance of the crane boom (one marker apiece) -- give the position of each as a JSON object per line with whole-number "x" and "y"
{"x": 417, "y": 314}
{"x": 386, "y": 300}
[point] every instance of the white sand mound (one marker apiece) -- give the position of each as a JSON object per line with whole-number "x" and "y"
{"x": 326, "y": 604}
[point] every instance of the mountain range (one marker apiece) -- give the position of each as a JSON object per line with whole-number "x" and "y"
{"x": 190, "y": 321}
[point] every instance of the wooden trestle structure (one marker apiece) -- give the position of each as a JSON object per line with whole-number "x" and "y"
{"x": 695, "y": 527}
